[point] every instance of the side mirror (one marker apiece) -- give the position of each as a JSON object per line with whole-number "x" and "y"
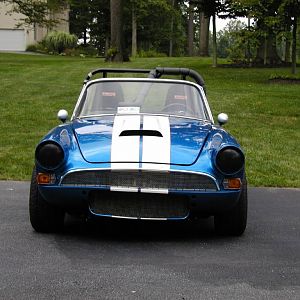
{"x": 222, "y": 119}
{"x": 62, "y": 115}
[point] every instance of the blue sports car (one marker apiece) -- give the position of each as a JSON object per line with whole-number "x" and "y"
{"x": 140, "y": 147}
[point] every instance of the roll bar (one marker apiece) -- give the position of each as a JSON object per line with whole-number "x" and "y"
{"x": 184, "y": 72}
{"x": 154, "y": 73}
{"x": 112, "y": 70}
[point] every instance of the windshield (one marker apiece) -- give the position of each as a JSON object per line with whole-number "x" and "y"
{"x": 116, "y": 97}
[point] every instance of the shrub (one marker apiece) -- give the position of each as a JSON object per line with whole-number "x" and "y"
{"x": 32, "y": 48}
{"x": 58, "y": 41}
{"x": 38, "y": 47}
{"x": 150, "y": 53}
{"x": 88, "y": 50}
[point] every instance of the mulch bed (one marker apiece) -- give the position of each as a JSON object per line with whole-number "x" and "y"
{"x": 285, "y": 80}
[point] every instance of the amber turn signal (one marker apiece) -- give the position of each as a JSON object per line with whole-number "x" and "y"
{"x": 232, "y": 183}
{"x": 44, "y": 178}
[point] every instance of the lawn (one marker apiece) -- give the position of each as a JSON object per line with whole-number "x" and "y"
{"x": 263, "y": 116}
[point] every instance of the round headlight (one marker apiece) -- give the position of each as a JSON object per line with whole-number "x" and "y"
{"x": 230, "y": 160}
{"x": 49, "y": 155}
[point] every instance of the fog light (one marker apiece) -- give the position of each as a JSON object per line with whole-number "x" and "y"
{"x": 232, "y": 183}
{"x": 44, "y": 178}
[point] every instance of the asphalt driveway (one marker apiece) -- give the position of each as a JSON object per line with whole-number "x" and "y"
{"x": 135, "y": 260}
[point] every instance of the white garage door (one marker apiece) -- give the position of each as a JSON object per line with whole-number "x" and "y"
{"x": 12, "y": 39}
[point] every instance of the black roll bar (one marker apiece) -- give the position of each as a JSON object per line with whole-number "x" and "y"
{"x": 154, "y": 73}
{"x": 112, "y": 70}
{"x": 159, "y": 71}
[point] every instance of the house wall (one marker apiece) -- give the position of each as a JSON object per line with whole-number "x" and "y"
{"x": 18, "y": 38}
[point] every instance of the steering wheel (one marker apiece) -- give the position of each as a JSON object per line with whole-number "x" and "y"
{"x": 168, "y": 107}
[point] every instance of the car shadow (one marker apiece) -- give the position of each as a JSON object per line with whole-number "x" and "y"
{"x": 108, "y": 229}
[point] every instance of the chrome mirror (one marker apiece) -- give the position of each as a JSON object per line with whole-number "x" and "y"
{"x": 62, "y": 115}
{"x": 222, "y": 119}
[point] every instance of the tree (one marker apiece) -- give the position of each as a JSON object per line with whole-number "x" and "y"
{"x": 134, "y": 31}
{"x": 229, "y": 37}
{"x": 100, "y": 25}
{"x": 116, "y": 30}
{"x": 80, "y": 18}
{"x": 211, "y": 9}
{"x": 37, "y": 12}
{"x": 272, "y": 17}
{"x": 290, "y": 11}
{"x": 150, "y": 26}
{"x": 204, "y": 35}
{"x": 191, "y": 33}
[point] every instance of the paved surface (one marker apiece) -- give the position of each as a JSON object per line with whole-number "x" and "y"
{"x": 138, "y": 261}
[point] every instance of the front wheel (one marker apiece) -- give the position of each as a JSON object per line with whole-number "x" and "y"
{"x": 234, "y": 222}
{"x": 43, "y": 216}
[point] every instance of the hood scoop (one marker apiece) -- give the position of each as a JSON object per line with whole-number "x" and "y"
{"x": 141, "y": 140}
{"x": 141, "y": 133}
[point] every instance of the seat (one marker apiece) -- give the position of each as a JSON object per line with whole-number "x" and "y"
{"x": 109, "y": 95}
{"x": 176, "y": 99}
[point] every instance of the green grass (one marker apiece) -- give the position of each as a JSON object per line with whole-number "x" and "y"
{"x": 264, "y": 117}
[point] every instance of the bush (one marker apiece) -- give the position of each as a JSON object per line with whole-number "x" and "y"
{"x": 58, "y": 41}
{"x": 150, "y": 53}
{"x": 32, "y": 48}
{"x": 80, "y": 51}
{"x": 87, "y": 50}
{"x": 38, "y": 47}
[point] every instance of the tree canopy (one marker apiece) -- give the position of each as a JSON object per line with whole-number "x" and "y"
{"x": 119, "y": 28}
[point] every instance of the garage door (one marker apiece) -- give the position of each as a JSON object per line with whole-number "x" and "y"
{"x": 12, "y": 39}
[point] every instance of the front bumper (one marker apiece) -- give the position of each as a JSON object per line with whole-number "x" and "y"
{"x": 197, "y": 203}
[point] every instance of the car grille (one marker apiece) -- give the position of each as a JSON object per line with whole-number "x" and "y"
{"x": 156, "y": 180}
{"x": 138, "y": 205}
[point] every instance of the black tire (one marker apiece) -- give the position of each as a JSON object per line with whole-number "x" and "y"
{"x": 234, "y": 222}
{"x": 43, "y": 216}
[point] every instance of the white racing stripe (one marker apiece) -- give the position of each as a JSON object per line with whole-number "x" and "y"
{"x": 125, "y": 148}
{"x": 157, "y": 149}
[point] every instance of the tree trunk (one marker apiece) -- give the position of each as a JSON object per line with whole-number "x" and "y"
{"x": 84, "y": 37}
{"x": 134, "y": 31}
{"x": 294, "y": 46}
{"x": 191, "y": 30}
{"x": 106, "y": 45}
{"x": 204, "y": 35}
{"x": 267, "y": 52}
{"x": 116, "y": 19}
{"x": 171, "y": 33}
{"x": 287, "y": 52}
{"x": 214, "y": 64}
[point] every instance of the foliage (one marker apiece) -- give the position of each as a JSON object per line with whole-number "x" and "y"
{"x": 264, "y": 117}
{"x": 80, "y": 18}
{"x": 242, "y": 48}
{"x": 111, "y": 53}
{"x": 271, "y": 18}
{"x": 150, "y": 53}
{"x": 154, "y": 18}
{"x": 90, "y": 21}
{"x": 58, "y": 41}
{"x": 285, "y": 77}
{"x": 227, "y": 37}
{"x": 32, "y": 48}
{"x": 37, "y": 12}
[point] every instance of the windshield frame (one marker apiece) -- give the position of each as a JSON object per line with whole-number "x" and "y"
{"x": 81, "y": 98}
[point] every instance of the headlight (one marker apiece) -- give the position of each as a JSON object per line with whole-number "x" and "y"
{"x": 49, "y": 155}
{"x": 230, "y": 160}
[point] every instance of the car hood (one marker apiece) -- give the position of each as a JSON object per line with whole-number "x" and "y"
{"x": 141, "y": 139}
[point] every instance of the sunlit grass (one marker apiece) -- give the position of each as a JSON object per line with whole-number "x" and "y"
{"x": 264, "y": 117}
